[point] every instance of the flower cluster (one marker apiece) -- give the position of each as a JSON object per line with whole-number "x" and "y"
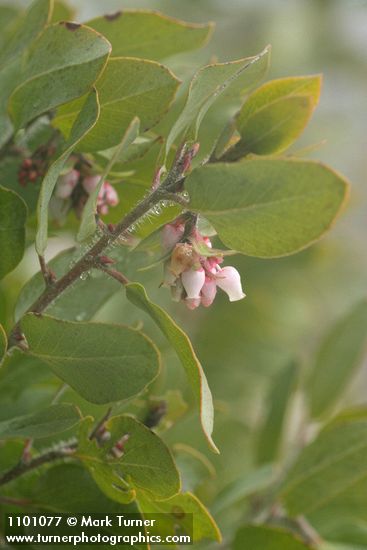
{"x": 73, "y": 187}
{"x": 193, "y": 270}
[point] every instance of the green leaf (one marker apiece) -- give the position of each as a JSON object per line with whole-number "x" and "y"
{"x": 44, "y": 423}
{"x": 3, "y": 342}
{"x": 337, "y": 360}
{"x": 209, "y": 83}
{"x": 84, "y": 298}
{"x": 127, "y": 88}
{"x": 13, "y": 215}
{"x": 146, "y": 463}
{"x": 26, "y": 28}
{"x": 150, "y": 34}
{"x": 243, "y": 487}
{"x": 103, "y": 363}
{"x": 62, "y": 12}
{"x": 184, "y": 510}
{"x": 260, "y": 537}
{"x": 270, "y": 433}
{"x": 70, "y": 488}
{"x": 182, "y": 345}
{"x": 82, "y": 125}
{"x": 332, "y": 467}
{"x": 88, "y": 221}
{"x": 261, "y": 207}
{"x": 62, "y": 65}
{"x": 275, "y": 115}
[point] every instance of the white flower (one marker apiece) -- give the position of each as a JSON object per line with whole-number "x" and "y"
{"x": 229, "y": 280}
{"x": 193, "y": 281}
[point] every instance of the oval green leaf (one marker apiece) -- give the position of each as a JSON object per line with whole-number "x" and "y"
{"x": 146, "y": 463}
{"x": 184, "y": 510}
{"x": 128, "y": 87}
{"x": 275, "y": 115}
{"x": 62, "y": 65}
{"x": 268, "y": 207}
{"x": 103, "y": 363}
{"x": 44, "y": 423}
{"x": 149, "y": 34}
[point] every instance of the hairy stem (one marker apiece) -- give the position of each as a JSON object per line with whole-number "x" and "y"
{"x": 27, "y": 466}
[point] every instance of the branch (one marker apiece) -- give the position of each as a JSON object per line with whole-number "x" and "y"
{"x": 24, "y": 467}
{"x": 115, "y": 275}
{"x": 169, "y": 189}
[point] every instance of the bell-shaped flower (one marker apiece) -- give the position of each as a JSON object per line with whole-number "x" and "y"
{"x": 229, "y": 280}
{"x": 66, "y": 184}
{"x": 193, "y": 281}
{"x": 208, "y": 292}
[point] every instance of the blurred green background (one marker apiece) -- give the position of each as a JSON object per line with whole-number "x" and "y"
{"x": 290, "y": 302}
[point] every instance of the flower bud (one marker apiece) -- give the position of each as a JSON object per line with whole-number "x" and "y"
{"x": 66, "y": 184}
{"x": 110, "y": 195}
{"x": 229, "y": 280}
{"x": 193, "y": 281}
{"x": 208, "y": 292}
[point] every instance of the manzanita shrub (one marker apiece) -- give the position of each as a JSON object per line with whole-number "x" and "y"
{"x": 99, "y": 138}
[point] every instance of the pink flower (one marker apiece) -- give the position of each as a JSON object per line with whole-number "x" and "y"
{"x": 109, "y": 194}
{"x": 193, "y": 281}
{"x": 66, "y": 184}
{"x": 90, "y": 183}
{"x": 208, "y": 292}
{"x": 229, "y": 280}
{"x": 171, "y": 234}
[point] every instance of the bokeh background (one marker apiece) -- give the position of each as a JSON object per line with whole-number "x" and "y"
{"x": 292, "y": 302}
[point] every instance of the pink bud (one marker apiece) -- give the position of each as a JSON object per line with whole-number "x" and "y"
{"x": 110, "y": 195}
{"x": 193, "y": 281}
{"x": 171, "y": 234}
{"x": 208, "y": 292}
{"x": 229, "y": 280}
{"x": 66, "y": 184}
{"x": 90, "y": 183}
